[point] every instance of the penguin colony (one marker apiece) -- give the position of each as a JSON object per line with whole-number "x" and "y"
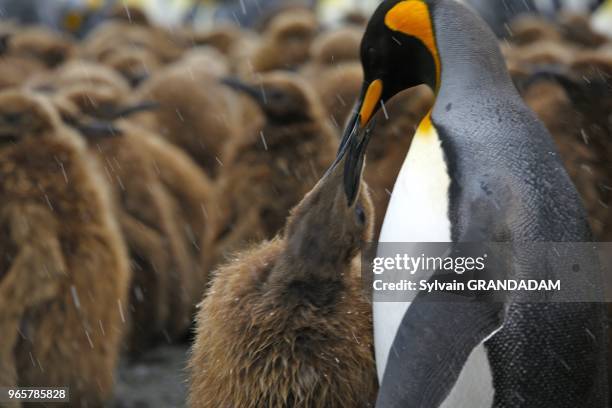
{"x": 145, "y": 170}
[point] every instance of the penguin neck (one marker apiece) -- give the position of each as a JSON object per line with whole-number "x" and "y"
{"x": 471, "y": 62}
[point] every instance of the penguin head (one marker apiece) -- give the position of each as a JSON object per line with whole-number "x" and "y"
{"x": 398, "y": 51}
{"x": 283, "y": 97}
{"x": 325, "y": 228}
{"x": 24, "y": 115}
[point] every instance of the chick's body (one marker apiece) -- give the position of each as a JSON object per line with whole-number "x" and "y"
{"x": 64, "y": 271}
{"x": 287, "y": 323}
{"x": 160, "y": 197}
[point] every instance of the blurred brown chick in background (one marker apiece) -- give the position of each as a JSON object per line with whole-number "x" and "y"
{"x": 268, "y": 170}
{"x": 64, "y": 271}
{"x": 160, "y": 197}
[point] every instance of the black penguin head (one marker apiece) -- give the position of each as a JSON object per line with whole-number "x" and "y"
{"x": 398, "y": 51}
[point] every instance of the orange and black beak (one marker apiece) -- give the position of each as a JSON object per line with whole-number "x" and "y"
{"x": 357, "y": 136}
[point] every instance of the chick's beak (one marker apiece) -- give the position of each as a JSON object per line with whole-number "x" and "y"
{"x": 252, "y": 91}
{"x": 357, "y": 136}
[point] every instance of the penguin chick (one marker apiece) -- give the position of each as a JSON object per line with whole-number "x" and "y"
{"x": 15, "y": 70}
{"x": 78, "y": 72}
{"x": 576, "y": 28}
{"x": 196, "y": 112}
{"x": 338, "y": 88}
{"x": 115, "y": 35}
{"x": 222, "y": 37}
{"x": 300, "y": 331}
{"x": 269, "y": 170}
{"x": 129, "y": 14}
{"x": 285, "y": 44}
{"x": 529, "y": 28}
{"x": 57, "y": 227}
{"x": 337, "y": 46}
{"x": 160, "y": 197}
{"x": 44, "y": 45}
{"x": 135, "y": 65}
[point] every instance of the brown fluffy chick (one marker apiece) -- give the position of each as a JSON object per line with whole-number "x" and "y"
{"x": 116, "y": 35}
{"x": 338, "y": 88}
{"x": 286, "y": 41}
{"x": 63, "y": 258}
{"x": 576, "y": 28}
{"x": 396, "y": 125}
{"x": 77, "y": 74}
{"x": 196, "y": 112}
{"x": 44, "y": 45}
{"x": 160, "y": 197}
{"x": 28, "y": 52}
{"x": 270, "y": 169}
{"x": 337, "y": 46}
{"x": 286, "y": 323}
{"x": 222, "y": 37}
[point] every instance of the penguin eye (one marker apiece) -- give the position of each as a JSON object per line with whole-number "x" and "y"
{"x": 276, "y": 96}
{"x": 360, "y": 213}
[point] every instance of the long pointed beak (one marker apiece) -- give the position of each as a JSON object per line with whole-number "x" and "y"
{"x": 356, "y": 138}
{"x": 143, "y": 106}
{"x": 368, "y": 104}
{"x": 353, "y": 166}
{"x": 249, "y": 90}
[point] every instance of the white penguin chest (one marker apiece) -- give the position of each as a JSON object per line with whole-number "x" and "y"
{"x": 418, "y": 210}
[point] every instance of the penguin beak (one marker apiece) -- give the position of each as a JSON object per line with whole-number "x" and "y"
{"x": 249, "y": 90}
{"x": 368, "y": 104}
{"x": 98, "y": 130}
{"x": 144, "y": 106}
{"x": 357, "y": 136}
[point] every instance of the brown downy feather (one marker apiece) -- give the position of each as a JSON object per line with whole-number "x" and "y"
{"x": 44, "y": 45}
{"x": 338, "y": 88}
{"x": 195, "y": 113}
{"x": 77, "y": 72}
{"x": 269, "y": 170}
{"x": 135, "y": 65}
{"x": 129, "y": 14}
{"x": 222, "y": 37}
{"x": 160, "y": 197}
{"x": 116, "y": 35}
{"x": 576, "y": 28}
{"x": 285, "y": 44}
{"x": 64, "y": 262}
{"x": 529, "y": 28}
{"x": 286, "y": 323}
{"x": 337, "y": 46}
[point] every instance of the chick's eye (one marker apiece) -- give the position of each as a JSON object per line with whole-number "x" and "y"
{"x": 360, "y": 213}
{"x": 276, "y": 96}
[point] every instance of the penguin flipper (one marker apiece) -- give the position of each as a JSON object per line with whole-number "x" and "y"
{"x": 431, "y": 347}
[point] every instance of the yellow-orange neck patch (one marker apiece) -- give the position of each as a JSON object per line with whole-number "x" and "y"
{"x": 425, "y": 127}
{"x": 412, "y": 18}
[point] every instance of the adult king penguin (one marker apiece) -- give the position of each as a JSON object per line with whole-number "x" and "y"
{"x": 481, "y": 167}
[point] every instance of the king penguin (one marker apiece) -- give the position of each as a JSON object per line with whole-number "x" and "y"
{"x": 481, "y": 167}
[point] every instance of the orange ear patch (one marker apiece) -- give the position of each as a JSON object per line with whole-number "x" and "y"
{"x": 412, "y": 18}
